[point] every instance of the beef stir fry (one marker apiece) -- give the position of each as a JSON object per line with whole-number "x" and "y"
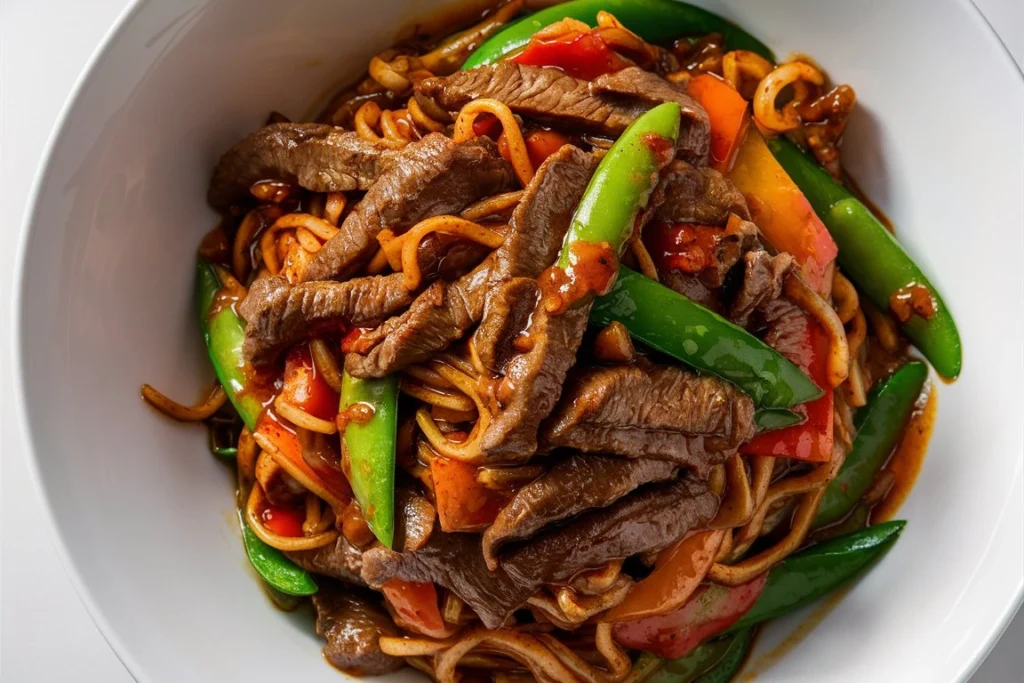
{"x": 546, "y": 346}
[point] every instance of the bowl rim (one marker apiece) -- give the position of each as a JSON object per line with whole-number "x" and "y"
{"x": 969, "y": 666}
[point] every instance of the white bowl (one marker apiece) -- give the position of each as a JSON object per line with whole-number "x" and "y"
{"x": 144, "y": 514}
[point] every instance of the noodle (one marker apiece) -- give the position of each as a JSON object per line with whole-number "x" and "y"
{"x": 325, "y": 363}
{"x": 520, "y": 158}
{"x": 839, "y": 351}
{"x": 253, "y": 512}
{"x": 241, "y": 261}
{"x": 420, "y": 118}
{"x": 297, "y": 472}
{"x": 449, "y": 225}
{"x": 738, "y": 64}
{"x": 300, "y": 418}
{"x": 366, "y": 118}
{"x": 491, "y": 205}
{"x": 438, "y": 397}
{"x": 768, "y": 90}
{"x": 214, "y": 401}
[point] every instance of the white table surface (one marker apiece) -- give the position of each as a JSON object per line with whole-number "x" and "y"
{"x": 45, "y": 632}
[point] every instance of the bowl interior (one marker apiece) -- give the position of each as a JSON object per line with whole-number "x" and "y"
{"x": 145, "y": 516}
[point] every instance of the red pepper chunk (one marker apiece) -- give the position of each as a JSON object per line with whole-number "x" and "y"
{"x": 708, "y": 612}
{"x": 802, "y": 341}
{"x": 305, "y": 388}
{"x": 581, "y": 55}
{"x": 463, "y": 504}
{"x": 727, "y": 111}
{"x": 416, "y": 605}
{"x": 284, "y": 521}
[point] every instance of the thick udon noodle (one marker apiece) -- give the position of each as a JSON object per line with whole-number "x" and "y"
{"x": 562, "y": 641}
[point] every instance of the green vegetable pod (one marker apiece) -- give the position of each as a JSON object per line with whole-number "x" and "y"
{"x": 815, "y": 572}
{"x": 879, "y": 425}
{"x": 224, "y": 333}
{"x": 273, "y": 567}
{"x": 656, "y": 21}
{"x": 872, "y": 257}
{"x": 369, "y": 450}
{"x": 669, "y": 322}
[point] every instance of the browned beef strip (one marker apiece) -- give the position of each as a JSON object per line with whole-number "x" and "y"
{"x": 444, "y": 312}
{"x": 535, "y": 378}
{"x": 316, "y": 156}
{"x": 279, "y": 314}
{"x": 578, "y": 483}
{"x": 340, "y": 560}
{"x": 437, "y": 318}
{"x": 647, "y": 520}
{"x": 448, "y": 257}
{"x": 455, "y": 562}
{"x": 352, "y": 622}
{"x": 605, "y": 106}
{"x": 763, "y": 277}
{"x": 687, "y": 194}
{"x": 653, "y": 411}
{"x": 430, "y": 177}
{"x": 414, "y": 519}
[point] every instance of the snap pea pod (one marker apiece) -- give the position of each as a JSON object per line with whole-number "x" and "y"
{"x": 224, "y": 333}
{"x": 879, "y": 425}
{"x": 810, "y": 574}
{"x": 623, "y": 182}
{"x": 872, "y": 257}
{"x": 770, "y": 419}
{"x": 277, "y": 570}
{"x": 731, "y": 662}
{"x": 685, "y": 330}
{"x": 653, "y": 669}
{"x": 369, "y": 449}
{"x": 655, "y": 21}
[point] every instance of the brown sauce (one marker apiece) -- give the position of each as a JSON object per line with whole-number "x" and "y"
{"x": 357, "y": 413}
{"x": 592, "y": 269}
{"x": 912, "y": 299}
{"x": 272, "y": 191}
{"x": 906, "y": 461}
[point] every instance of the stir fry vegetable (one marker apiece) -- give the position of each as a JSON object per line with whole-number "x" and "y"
{"x": 782, "y": 212}
{"x": 277, "y": 570}
{"x": 463, "y": 503}
{"x": 653, "y": 20}
{"x": 623, "y": 182}
{"x": 368, "y": 446}
{"x": 727, "y": 112}
{"x": 224, "y": 333}
{"x": 770, "y": 419}
{"x": 879, "y": 425}
{"x": 797, "y": 581}
{"x": 671, "y": 323}
{"x": 731, "y": 662}
{"x": 872, "y": 257}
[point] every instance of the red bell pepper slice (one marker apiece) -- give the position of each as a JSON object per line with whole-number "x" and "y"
{"x": 463, "y": 504}
{"x": 540, "y": 144}
{"x": 327, "y": 482}
{"x": 416, "y": 604}
{"x": 677, "y": 574}
{"x": 305, "y": 388}
{"x": 782, "y": 212}
{"x": 581, "y": 55}
{"x": 283, "y": 521}
{"x": 727, "y": 111}
{"x": 802, "y": 341}
{"x": 711, "y": 610}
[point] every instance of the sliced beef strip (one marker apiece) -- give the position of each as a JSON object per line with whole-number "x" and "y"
{"x": 577, "y": 483}
{"x": 648, "y": 520}
{"x": 687, "y": 194}
{"x": 342, "y": 561}
{"x": 605, "y": 106}
{"x": 437, "y": 318}
{"x": 537, "y": 230}
{"x": 533, "y": 380}
{"x": 763, "y": 277}
{"x": 455, "y": 562}
{"x": 430, "y": 177}
{"x": 316, "y": 156}
{"x": 444, "y": 312}
{"x": 279, "y": 314}
{"x": 352, "y": 622}
{"x": 414, "y": 519}
{"x": 653, "y": 411}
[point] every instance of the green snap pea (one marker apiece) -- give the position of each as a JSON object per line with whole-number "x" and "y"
{"x": 879, "y": 426}
{"x": 277, "y": 570}
{"x": 732, "y": 661}
{"x": 810, "y": 574}
{"x": 655, "y": 21}
{"x": 770, "y": 419}
{"x": 652, "y": 669}
{"x": 872, "y": 257}
{"x": 369, "y": 449}
{"x": 669, "y": 322}
{"x": 224, "y": 333}
{"x": 623, "y": 181}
